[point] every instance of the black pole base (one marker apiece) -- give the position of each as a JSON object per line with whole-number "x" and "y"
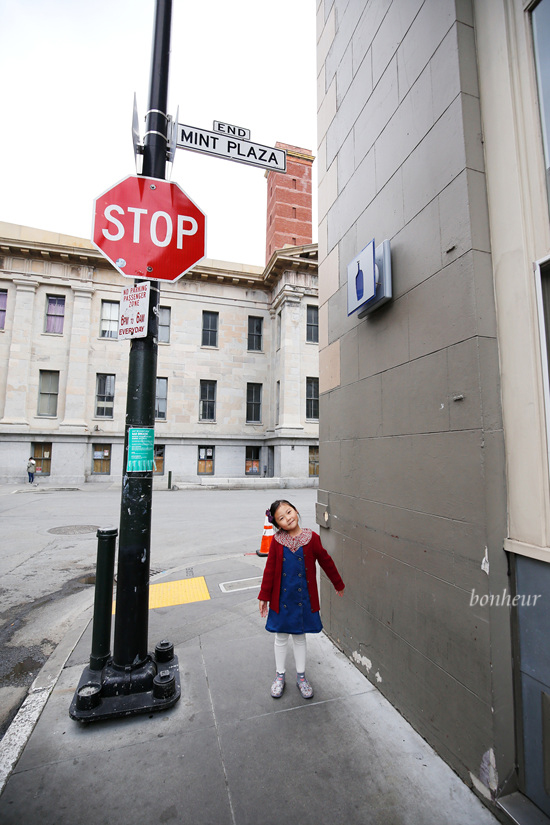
{"x": 114, "y": 691}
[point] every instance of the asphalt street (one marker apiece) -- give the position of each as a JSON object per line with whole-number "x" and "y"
{"x": 47, "y": 564}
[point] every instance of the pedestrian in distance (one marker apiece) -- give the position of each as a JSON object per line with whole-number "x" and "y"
{"x": 288, "y": 594}
{"x": 31, "y": 469}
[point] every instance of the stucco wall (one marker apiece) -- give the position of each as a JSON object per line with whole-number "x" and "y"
{"x": 412, "y": 485}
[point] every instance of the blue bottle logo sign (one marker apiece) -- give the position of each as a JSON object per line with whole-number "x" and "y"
{"x": 359, "y": 287}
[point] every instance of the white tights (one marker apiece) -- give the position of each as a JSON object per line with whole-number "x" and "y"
{"x": 281, "y": 647}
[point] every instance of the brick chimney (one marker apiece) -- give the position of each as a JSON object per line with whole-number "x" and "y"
{"x": 289, "y": 201}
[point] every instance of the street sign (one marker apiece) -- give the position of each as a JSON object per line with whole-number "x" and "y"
{"x": 149, "y": 228}
{"x": 230, "y": 147}
{"x": 228, "y": 129}
{"x": 134, "y": 311}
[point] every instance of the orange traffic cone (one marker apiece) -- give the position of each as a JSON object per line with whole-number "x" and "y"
{"x": 266, "y": 538}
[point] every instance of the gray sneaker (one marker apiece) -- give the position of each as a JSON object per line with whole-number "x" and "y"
{"x": 304, "y": 686}
{"x": 278, "y": 686}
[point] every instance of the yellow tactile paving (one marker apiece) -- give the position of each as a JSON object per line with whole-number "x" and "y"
{"x": 184, "y": 591}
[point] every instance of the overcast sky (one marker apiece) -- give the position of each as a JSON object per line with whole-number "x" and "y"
{"x": 69, "y": 70}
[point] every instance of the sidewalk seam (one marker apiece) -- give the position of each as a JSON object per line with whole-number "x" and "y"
{"x": 216, "y": 726}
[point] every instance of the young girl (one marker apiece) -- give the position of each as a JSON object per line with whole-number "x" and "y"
{"x": 289, "y": 585}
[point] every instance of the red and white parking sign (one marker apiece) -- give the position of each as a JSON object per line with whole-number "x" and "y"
{"x": 149, "y": 228}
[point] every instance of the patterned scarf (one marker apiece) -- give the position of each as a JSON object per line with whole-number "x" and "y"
{"x": 294, "y": 542}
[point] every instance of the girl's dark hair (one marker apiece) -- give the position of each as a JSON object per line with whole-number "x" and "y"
{"x": 275, "y": 506}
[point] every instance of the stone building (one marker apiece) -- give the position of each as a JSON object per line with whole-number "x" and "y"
{"x": 434, "y": 492}
{"x": 237, "y": 379}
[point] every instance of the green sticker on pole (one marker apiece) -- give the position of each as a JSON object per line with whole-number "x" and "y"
{"x": 141, "y": 450}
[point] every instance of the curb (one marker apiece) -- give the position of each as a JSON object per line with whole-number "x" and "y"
{"x": 23, "y": 724}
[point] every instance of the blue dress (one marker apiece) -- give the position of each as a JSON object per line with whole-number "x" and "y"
{"x": 294, "y": 614}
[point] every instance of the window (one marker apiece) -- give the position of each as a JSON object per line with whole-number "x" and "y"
{"x": 102, "y": 459}
{"x": 252, "y": 463}
{"x": 210, "y": 329}
{"x": 161, "y": 396}
{"x": 254, "y": 403}
{"x": 206, "y": 461}
{"x": 109, "y": 319}
{"x": 55, "y": 314}
{"x": 312, "y": 329}
{"x": 207, "y": 406}
{"x": 541, "y": 35}
{"x": 164, "y": 325}
{"x": 255, "y": 325}
{"x": 42, "y": 454}
{"x": 48, "y": 391}
{"x": 105, "y": 396}
{"x": 3, "y": 305}
{"x": 158, "y": 466}
{"x": 314, "y": 461}
{"x": 312, "y": 398}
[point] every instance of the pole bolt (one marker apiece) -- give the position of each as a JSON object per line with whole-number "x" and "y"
{"x": 149, "y": 269}
{"x": 152, "y": 186}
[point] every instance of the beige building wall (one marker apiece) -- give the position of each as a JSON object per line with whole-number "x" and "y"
{"x": 34, "y": 265}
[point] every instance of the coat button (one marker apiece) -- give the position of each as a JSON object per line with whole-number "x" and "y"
{"x": 299, "y": 604}
{"x": 299, "y": 589}
{"x": 300, "y": 575}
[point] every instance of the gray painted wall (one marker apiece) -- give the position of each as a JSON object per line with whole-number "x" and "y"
{"x": 412, "y": 484}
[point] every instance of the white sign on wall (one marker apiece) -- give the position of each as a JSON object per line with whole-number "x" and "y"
{"x": 134, "y": 311}
{"x": 361, "y": 279}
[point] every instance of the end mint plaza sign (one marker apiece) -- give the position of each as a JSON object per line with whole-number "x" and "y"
{"x": 231, "y": 143}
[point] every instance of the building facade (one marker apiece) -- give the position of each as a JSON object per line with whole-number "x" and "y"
{"x": 237, "y": 388}
{"x": 434, "y": 492}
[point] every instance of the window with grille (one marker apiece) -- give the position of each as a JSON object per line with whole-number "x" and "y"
{"x": 109, "y": 319}
{"x": 252, "y": 461}
{"x": 3, "y": 306}
{"x": 312, "y": 329}
{"x": 206, "y": 461}
{"x": 158, "y": 466}
{"x": 314, "y": 461}
{"x": 164, "y": 325}
{"x": 55, "y": 314}
{"x": 105, "y": 396}
{"x": 42, "y": 454}
{"x": 101, "y": 459}
{"x": 254, "y": 403}
{"x": 312, "y": 398}
{"x": 255, "y": 325}
{"x": 207, "y": 405}
{"x": 210, "y": 329}
{"x": 48, "y": 392}
{"x": 161, "y": 399}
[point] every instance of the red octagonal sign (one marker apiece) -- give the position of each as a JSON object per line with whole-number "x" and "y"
{"x": 149, "y": 228}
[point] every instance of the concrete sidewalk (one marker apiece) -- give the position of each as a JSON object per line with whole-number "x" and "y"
{"x": 227, "y": 753}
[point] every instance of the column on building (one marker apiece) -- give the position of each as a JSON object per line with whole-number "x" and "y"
{"x": 15, "y": 408}
{"x": 75, "y": 397}
{"x": 288, "y": 370}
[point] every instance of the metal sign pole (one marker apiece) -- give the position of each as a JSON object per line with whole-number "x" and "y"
{"x": 135, "y": 681}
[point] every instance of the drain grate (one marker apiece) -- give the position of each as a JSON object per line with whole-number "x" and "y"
{"x": 73, "y": 529}
{"x": 240, "y": 584}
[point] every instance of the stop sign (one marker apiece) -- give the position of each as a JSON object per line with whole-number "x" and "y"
{"x": 149, "y": 228}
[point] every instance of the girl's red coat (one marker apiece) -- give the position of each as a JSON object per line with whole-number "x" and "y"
{"x": 313, "y": 551}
